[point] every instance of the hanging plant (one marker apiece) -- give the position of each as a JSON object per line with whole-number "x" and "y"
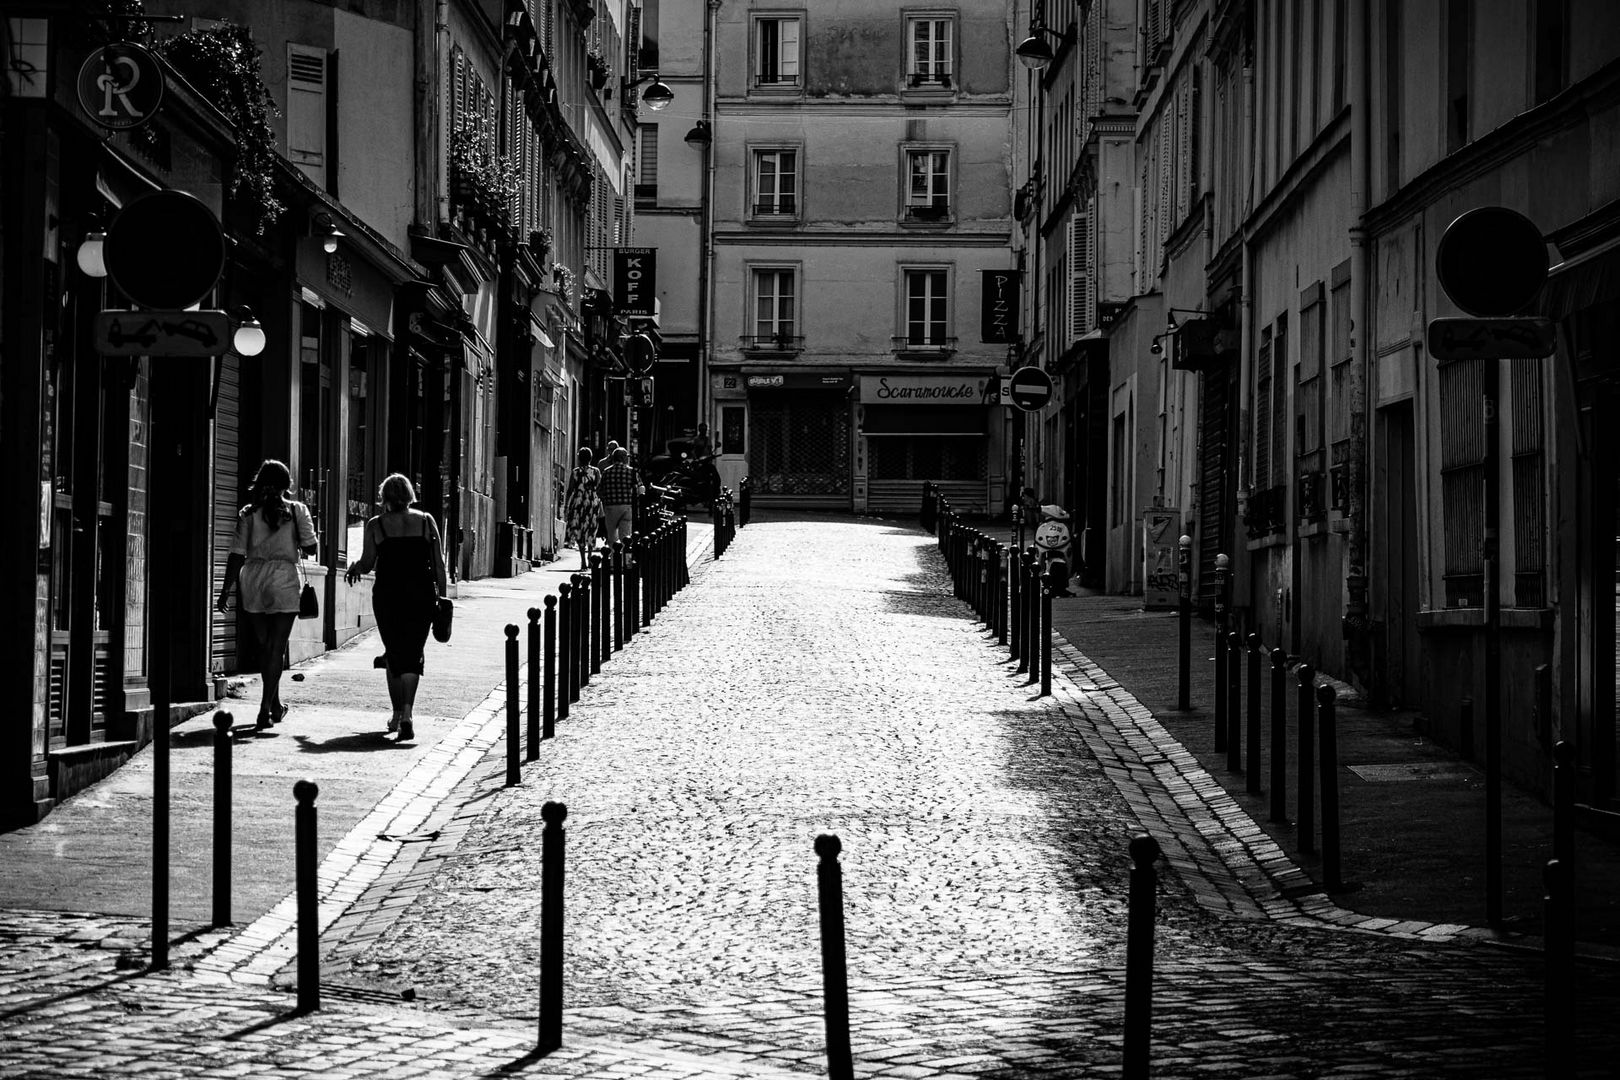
{"x": 564, "y": 278}
{"x": 482, "y": 181}
{"x": 222, "y": 64}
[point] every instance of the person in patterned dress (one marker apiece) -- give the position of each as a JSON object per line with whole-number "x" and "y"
{"x": 582, "y": 506}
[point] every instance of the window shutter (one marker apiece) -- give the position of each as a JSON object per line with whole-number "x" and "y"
{"x": 1091, "y": 265}
{"x": 1184, "y": 123}
{"x": 789, "y": 29}
{"x": 306, "y": 110}
{"x": 1079, "y": 276}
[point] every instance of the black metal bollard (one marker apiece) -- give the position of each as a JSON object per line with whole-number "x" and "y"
{"x": 618, "y": 595}
{"x": 534, "y": 686}
{"x": 717, "y": 514}
{"x": 834, "y": 973}
{"x": 1327, "y": 730}
{"x": 1046, "y": 635}
{"x": 1465, "y": 728}
{"x": 222, "y": 818}
{"x": 1015, "y": 606}
{"x": 1184, "y": 609}
{"x": 1558, "y": 994}
{"x": 599, "y": 596}
{"x": 1139, "y": 955}
{"x": 512, "y": 773}
{"x": 745, "y": 502}
{"x": 548, "y": 683}
{"x": 1307, "y": 757}
{"x": 632, "y": 587}
{"x": 1251, "y": 766}
{"x": 925, "y": 515}
{"x": 1563, "y": 803}
{"x": 552, "y": 843}
{"x": 1220, "y": 689}
{"x": 999, "y": 555}
{"x": 582, "y": 631}
{"x": 1279, "y": 735}
{"x": 307, "y": 897}
{"x": 565, "y": 650}
{"x": 681, "y": 568}
{"x": 1234, "y": 702}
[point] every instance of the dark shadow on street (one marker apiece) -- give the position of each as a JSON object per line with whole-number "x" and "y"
{"x": 360, "y": 740}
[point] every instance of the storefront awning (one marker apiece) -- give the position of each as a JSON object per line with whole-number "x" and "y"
{"x": 924, "y": 420}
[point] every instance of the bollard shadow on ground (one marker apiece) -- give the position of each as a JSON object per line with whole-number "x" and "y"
{"x": 518, "y": 1064}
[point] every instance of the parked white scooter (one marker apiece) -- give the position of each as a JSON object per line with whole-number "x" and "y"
{"x": 1052, "y": 536}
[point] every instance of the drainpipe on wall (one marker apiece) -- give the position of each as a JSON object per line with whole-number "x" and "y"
{"x": 705, "y": 348}
{"x": 1356, "y": 622}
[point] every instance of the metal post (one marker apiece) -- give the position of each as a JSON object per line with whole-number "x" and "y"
{"x": 1234, "y": 701}
{"x": 512, "y": 773}
{"x": 548, "y": 685}
{"x": 1139, "y": 956}
{"x": 158, "y": 687}
{"x": 307, "y": 898}
{"x": 1222, "y": 565}
{"x": 1489, "y": 372}
{"x": 534, "y": 685}
{"x": 632, "y": 586}
{"x": 616, "y": 574}
{"x": 1251, "y": 767}
{"x": 834, "y": 975}
{"x": 599, "y": 596}
{"x": 222, "y": 818}
{"x": 552, "y": 842}
{"x": 565, "y": 650}
{"x": 1184, "y": 620}
{"x": 1329, "y": 749}
{"x": 1015, "y": 607}
{"x": 1279, "y": 735}
{"x": 582, "y": 631}
{"x": 1032, "y": 631}
{"x": 999, "y": 560}
{"x": 1046, "y": 635}
{"x": 1307, "y": 757}
{"x": 680, "y": 557}
{"x": 1558, "y": 943}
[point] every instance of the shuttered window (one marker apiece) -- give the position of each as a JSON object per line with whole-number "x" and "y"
{"x": 776, "y": 51}
{"x": 1262, "y": 413}
{"x": 1279, "y": 403}
{"x": 1462, "y": 481}
{"x": 647, "y": 164}
{"x": 1081, "y": 306}
{"x": 306, "y": 110}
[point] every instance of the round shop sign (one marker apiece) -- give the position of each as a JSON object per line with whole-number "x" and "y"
{"x": 165, "y": 250}
{"x": 120, "y": 86}
{"x": 1052, "y": 534}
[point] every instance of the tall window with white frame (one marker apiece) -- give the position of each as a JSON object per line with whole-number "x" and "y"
{"x": 927, "y": 308}
{"x": 776, "y": 51}
{"x": 930, "y": 41}
{"x": 928, "y": 187}
{"x": 776, "y": 182}
{"x": 775, "y": 308}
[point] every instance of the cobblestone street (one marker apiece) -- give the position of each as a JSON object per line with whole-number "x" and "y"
{"x": 818, "y": 678}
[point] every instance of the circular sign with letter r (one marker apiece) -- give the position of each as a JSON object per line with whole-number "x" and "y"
{"x": 120, "y": 86}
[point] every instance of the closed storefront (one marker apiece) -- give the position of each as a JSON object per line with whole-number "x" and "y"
{"x": 925, "y": 427}
{"x": 799, "y": 438}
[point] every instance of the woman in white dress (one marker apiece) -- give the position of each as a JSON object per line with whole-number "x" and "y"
{"x": 272, "y": 532}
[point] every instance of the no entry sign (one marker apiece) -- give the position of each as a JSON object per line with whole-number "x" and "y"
{"x": 1031, "y": 388}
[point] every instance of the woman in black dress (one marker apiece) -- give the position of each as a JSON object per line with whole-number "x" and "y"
{"x": 403, "y": 546}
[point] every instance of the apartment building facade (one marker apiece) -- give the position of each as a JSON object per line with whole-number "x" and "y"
{"x": 860, "y": 189}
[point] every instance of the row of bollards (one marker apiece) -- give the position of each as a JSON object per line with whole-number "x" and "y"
{"x": 724, "y": 515}
{"x": 1005, "y": 588}
{"x": 594, "y": 615}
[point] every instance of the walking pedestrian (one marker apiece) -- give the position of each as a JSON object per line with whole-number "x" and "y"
{"x": 272, "y": 534}
{"x": 403, "y": 545}
{"x": 582, "y": 506}
{"x": 618, "y": 493}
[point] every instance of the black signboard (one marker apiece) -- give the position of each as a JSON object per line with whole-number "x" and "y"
{"x": 999, "y": 307}
{"x": 635, "y": 280}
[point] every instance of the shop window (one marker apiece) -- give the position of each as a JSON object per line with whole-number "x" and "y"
{"x": 1462, "y": 482}
{"x": 776, "y": 51}
{"x": 363, "y": 478}
{"x": 929, "y": 39}
{"x": 776, "y": 183}
{"x": 314, "y": 416}
{"x": 928, "y": 185}
{"x": 927, "y": 309}
{"x": 733, "y": 437}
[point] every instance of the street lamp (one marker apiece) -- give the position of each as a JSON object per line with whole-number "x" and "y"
{"x": 249, "y": 337}
{"x": 700, "y": 135}
{"x": 90, "y": 257}
{"x": 1034, "y": 52}
{"x": 329, "y": 233}
{"x": 655, "y": 97}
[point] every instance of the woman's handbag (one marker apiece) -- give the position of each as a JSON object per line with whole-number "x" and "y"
{"x": 443, "y": 612}
{"x": 308, "y": 605}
